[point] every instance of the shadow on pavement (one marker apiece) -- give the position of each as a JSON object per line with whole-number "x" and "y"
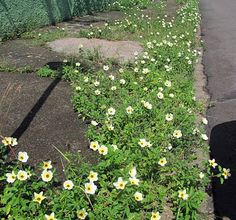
{"x": 38, "y": 105}
{"x": 223, "y": 149}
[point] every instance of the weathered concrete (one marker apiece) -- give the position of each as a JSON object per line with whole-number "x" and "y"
{"x": 21, "y": 53}
{"x": 123, "y": 51}
{"x": 219, "y": 30}
{"x": 38, "y": 111}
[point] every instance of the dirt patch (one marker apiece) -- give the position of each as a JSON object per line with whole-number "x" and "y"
{"x": 122, "y": 51}
{"x": 21, "y": 53}
{"x": 38, "y": 111}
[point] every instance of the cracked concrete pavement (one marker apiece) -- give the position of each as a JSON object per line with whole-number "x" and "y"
{"x": 219, "y": 35}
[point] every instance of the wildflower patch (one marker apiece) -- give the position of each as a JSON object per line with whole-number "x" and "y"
{"x": 142, "y": 127}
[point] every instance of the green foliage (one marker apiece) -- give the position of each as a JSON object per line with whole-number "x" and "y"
{"x": 40, "y": 37}
{"x": 143, "y": 130}
{"x": 47, "y": 72}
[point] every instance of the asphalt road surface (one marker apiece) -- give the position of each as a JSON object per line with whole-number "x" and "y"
{"x": 219, "y": 35}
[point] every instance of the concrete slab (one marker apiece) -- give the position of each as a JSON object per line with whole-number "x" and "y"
{"x": 39, "y": 113}
{"x": 123, "y": 51}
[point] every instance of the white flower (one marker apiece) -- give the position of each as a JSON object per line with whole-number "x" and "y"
{"x": 97, "y": 92}
{"x": 183, "y": 195}
{"x": 122, "y": 81}
{"x": 96, "y": 83}
{"x": 162, "y": 162}
{"x": 50, "y": 217}
{"x": 110, "y": 127}
{"x": 77, "y": 88}
{"x": 47, "y": 175}
{"x": 68, "y": 184}
{"x": 133, "y": 172}
{"x": 94, "y": 123}
{"x": 113, "y": 88}
{"x": 38, "y": 197}
{"x": 86, "y": 79}
{"x": 120, "y": 184}
{"x": 148, "y": 144}
{"x": 111, "y": 77}
{"x": 115, "y": 147}
{"x": 22, "y": 175}
{"x": 111, "y": 111}
{"x": 90, "y": 188}
{"x": 169, "y": 117}
{"x": 171, "y": 95}
{"x": 82, "y": 214}
{"x": 77, "y": 64}
{"x": 47, "y": 165}
{"x": 121, "y": 70}
{"x": 155, "y": 216}
{"x": 142, "y": 142}
{"x": 204, "y": 137}
{"x": 9, "y": 141}
{"x": 201, "y": 175}
{"x": 94, "y": 145}
{"x": 147, "y": 105}
{"x": 167, "y": 83}
{"x": 204, "y": 121}
{"x": 23, "y": 157}
{"x": 145, "y": 71}
{"x": 213, "y": 163}
{"x": 136, "y": 70}
{"x": 134, "y": 181}
{"x": 93, "y": 176}
{"x": 129, "y": 110}
{"x": 11, "y": 177}
{"x": 103, "y": 150}
{"x": 226, "y": 173}
{"x": 195, "y": 130}
{"x": 138, "y": 196}
{"x": 177, "y": 134}
{"x": 160, "y": 95}
{"x": 105, "y": 67}
{"x": 169, "y": 147}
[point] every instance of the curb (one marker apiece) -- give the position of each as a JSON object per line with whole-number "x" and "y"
{"x": 207, "y": 208}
